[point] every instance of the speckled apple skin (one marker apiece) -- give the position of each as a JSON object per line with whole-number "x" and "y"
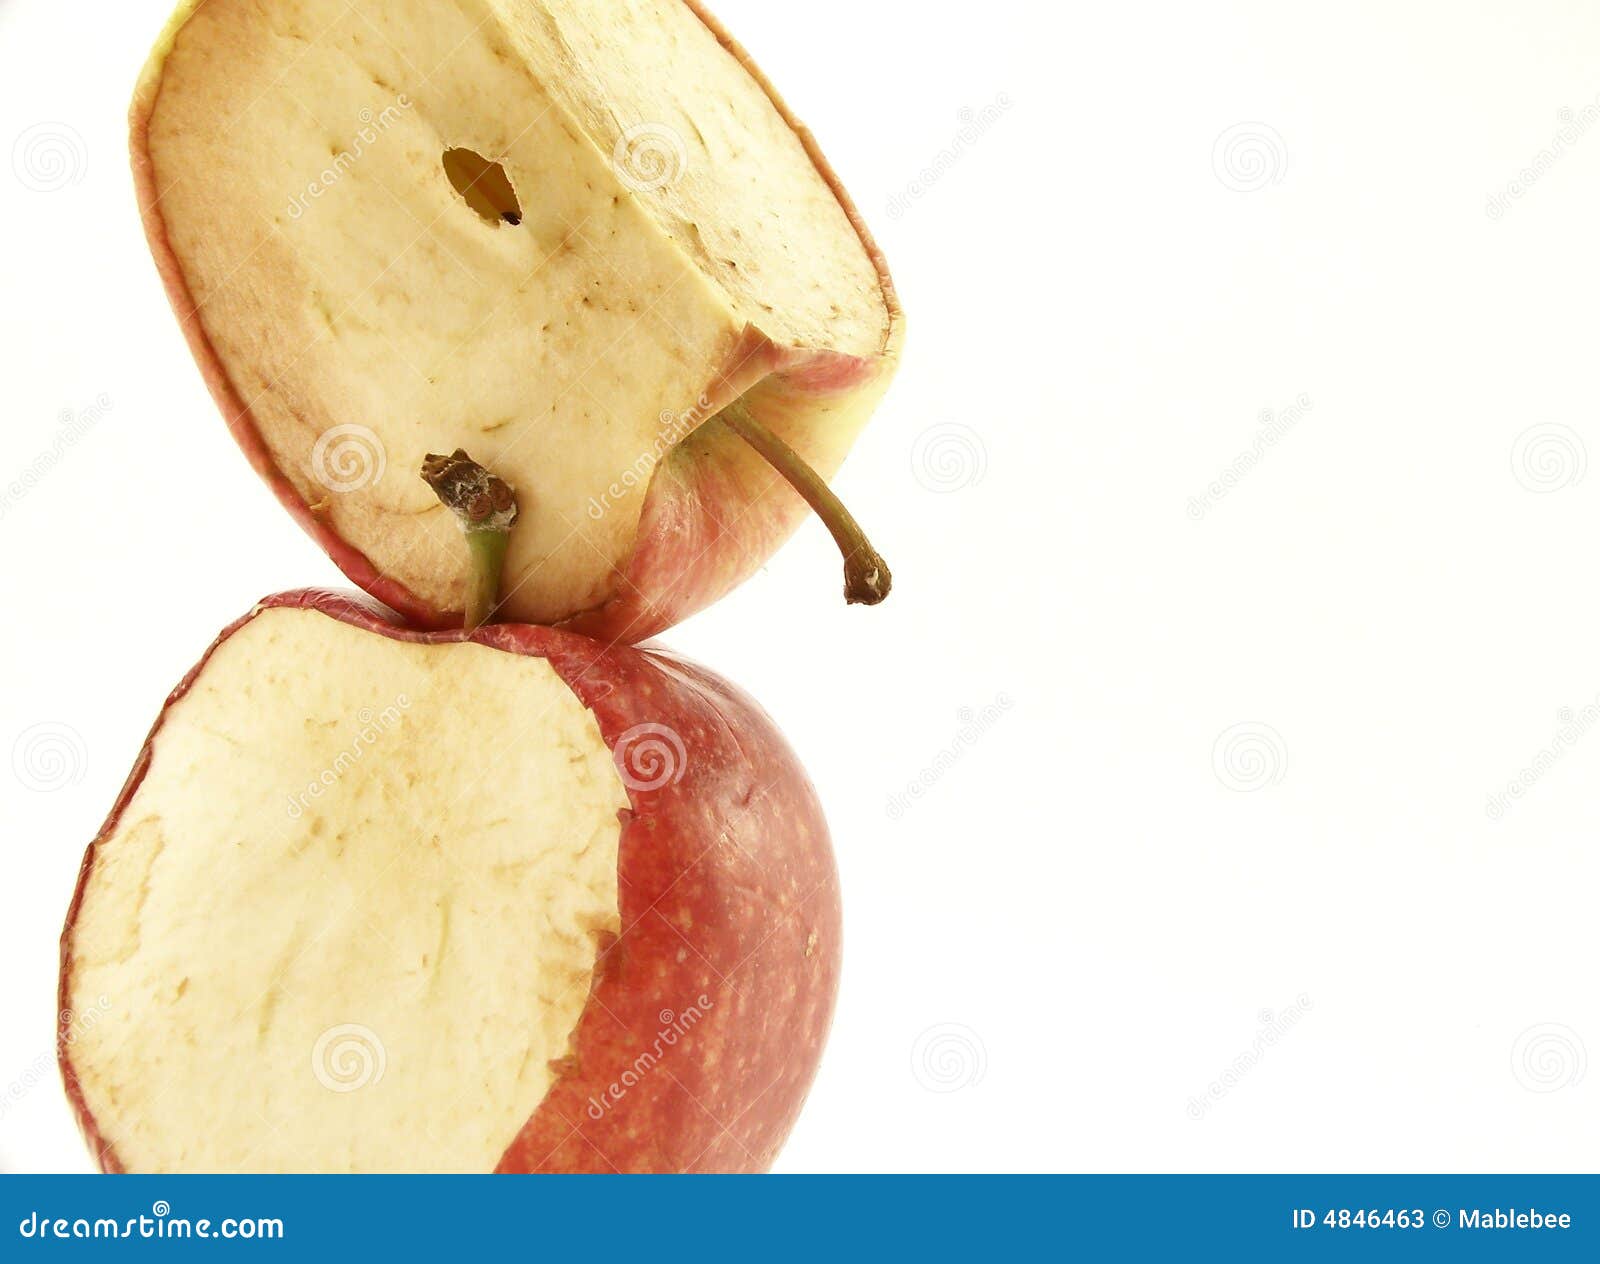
{"x": 714, "y": 512}
{"x": 727, "y": 891}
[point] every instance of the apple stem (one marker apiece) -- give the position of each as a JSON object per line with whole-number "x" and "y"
{"x": 866, "y": 574}
{"x": 485, "y": 508}
{"x": 488, "y": 550}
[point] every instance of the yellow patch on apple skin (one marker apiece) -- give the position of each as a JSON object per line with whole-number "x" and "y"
{"x": 351, "y": 915}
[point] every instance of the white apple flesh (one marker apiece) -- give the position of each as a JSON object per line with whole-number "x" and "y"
{"x": 562, "y": 235}
{"x": 382, "y": 900}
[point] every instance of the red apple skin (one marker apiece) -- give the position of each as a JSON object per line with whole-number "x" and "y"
{"x": 727, "y": 890}
{"x": 715, "y": 511}
{"x": 706, "y": 526}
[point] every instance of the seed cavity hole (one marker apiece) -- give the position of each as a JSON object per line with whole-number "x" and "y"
{"x": 485, "y": 186}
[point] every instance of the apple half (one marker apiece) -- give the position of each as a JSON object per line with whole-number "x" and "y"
{"x": 376, "y": 899}
{"x": 563, "y": 235}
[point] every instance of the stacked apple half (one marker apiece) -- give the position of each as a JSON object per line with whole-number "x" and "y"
{"x": 548, "y": 322}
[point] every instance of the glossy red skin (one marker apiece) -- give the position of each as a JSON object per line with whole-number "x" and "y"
{"x": 727, "y": 888}
{"x": 702, "y": 532}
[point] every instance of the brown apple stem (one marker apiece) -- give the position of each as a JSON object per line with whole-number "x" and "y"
{"x": 486, "y": 509}
{"x": 866, "y": 574}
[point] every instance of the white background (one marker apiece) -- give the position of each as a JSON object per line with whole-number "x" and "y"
{"x": 1114, "y": 892}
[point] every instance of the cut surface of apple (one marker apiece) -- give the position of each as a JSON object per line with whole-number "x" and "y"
{"x": 366, "y": 905}
{"x": 561, "y": 235}
{"x": 279, "y": 894}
